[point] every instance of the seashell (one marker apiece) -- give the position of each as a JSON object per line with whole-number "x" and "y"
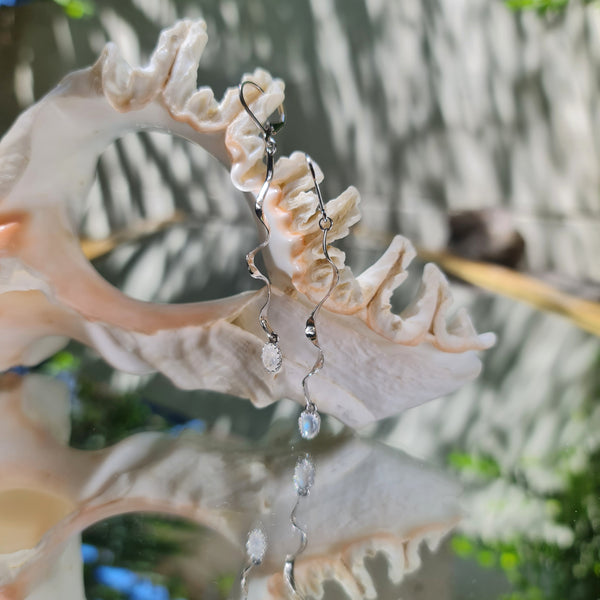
{"x": 50, "y": 493}
{"x": 378, "y": 362}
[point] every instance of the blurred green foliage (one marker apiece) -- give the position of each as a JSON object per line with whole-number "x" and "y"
{"x": 483, "y": 466}
{"x": 99, "y": 417}
{"x": 541, "y": 5}
{"x": 61, "y": 362}
{"x": 139, "y": 543}
{"x": 102, "y": 418}
{"x": 224, "y": 585}
{"x": 77, "y": 9}
{"x": 538, "y": 570}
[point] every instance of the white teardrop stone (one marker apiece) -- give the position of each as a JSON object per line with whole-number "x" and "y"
{"x": 256, "y": 546}
{"x": 304, "y": 476}
{"x": 271, "y": 357}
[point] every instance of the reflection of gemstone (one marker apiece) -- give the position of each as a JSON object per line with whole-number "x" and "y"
{"x": 256, "y": 546}
{"x": 309, "y": 424}
{"x": 304, "y": 475}
{"x": 271, "y": 357}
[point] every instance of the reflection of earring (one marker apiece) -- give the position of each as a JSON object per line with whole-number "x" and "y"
{"x": 304, "y": 477}
{"x": 256, "y": 546}
{"x": 271, "y": 353}
{"x": 309, "y": 421}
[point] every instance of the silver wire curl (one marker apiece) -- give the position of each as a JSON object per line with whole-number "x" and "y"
{"x": 268, "y": 131}
{"x": 310, "y": 329}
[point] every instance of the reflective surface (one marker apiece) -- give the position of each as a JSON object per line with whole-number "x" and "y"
{"x": 427, "y": 108}
{"x": 323, "y": 513}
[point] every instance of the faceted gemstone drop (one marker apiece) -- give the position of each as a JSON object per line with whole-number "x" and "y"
{"x": 304, "y": 475}
{"x": 256, "y": 546}
{"x": 309, "y": 424}
{"x": 271, "y": 357}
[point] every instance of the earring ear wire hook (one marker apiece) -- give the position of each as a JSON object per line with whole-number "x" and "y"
{"x": 316, "y": 187}
{"x": 269, "y": 129}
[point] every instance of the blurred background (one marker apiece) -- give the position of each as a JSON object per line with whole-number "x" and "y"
{"x": 471, "y": 127}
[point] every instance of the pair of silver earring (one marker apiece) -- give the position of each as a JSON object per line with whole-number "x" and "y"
{"x": 256, "y": 544}
{"x": 309, "y": 421}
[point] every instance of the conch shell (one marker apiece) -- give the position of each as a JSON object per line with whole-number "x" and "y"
{"x": 50, "y": 493}
{"x": 378, "y": 363}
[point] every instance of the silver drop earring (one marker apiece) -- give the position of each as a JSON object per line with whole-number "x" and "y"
{"x": 271, "y": 353}
{"x": 309, "y": 422}
{"x": 256, "y": 546}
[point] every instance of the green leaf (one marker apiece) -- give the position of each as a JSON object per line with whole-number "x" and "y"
{"x": 61, "y": 361}
{"x": 481, "y": 465}
{"x": 76, "y": 9}
{"x": 540, "y": 5}
{"x": 462, "y": 546}
{"x": 225, "y": 584}
{"x": 509, "y": 561}
{"x": 486, "y": 558}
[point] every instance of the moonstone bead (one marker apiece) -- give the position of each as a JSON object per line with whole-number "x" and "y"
{"x": 309, "y": 424}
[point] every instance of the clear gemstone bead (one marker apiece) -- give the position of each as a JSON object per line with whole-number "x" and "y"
{"x": 271, "y": 357}
{"x": 304, "y": 475}
{"x": 309, "y": 424}
{"x": 256, "y": 546}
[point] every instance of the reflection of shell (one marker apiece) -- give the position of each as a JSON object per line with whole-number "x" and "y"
{"x": 378, "y": 362}
{"x": 144, "y": 472}
{"x": 366, "y": 499}
{"x": 390, "y": 502}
